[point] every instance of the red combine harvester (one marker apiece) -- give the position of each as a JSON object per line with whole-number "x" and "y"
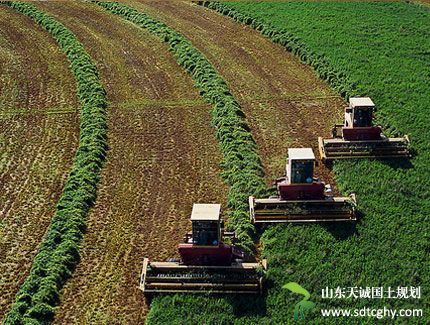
{"x": 301, "y": 198}
{"x": 207, "y": 263}
{"x": 358, "y": 138}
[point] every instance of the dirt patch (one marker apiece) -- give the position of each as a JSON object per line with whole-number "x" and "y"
{"x": 285, "y": 103}
{"x": 36, "y": 147}
{"x": 163, "y": 157}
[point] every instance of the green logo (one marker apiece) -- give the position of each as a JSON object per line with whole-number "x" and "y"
{"x": 304, "y": 304}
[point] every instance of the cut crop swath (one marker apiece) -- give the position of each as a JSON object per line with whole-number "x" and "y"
{"x": 59, "y": 251}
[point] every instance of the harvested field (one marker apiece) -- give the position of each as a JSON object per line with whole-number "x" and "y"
{"x": 163, "y": 156}
{"x": 286, "y": 104}
{"x": 39, "y": 133}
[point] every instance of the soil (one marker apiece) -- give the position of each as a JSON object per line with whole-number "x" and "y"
{"x": 39, "y": 131}
{"x": 163, "y": 157}
{"x": 285, "y": 103}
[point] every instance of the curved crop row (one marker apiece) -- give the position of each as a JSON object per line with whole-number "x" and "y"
{"x": 242, "y": 169}
{"x": 338, "y": 80}
{"x": 59, "y": 250}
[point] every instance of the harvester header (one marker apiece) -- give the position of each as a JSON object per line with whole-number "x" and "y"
{"x": 357, "y": 137}
{"x": 300, "y": 197}
{"x": 207, "y": 262}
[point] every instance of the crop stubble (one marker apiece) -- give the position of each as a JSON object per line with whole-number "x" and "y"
{"x": 285, "y": 103}
{"x": 37, "y": 142}
{"x": 163, "y": 156}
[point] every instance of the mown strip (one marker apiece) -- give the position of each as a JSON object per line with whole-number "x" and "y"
{"x": 242, "y": 171}
{"x": 59, "y": 251}
{"x": 339, "y": 81}
{"x": 242, "y": 168}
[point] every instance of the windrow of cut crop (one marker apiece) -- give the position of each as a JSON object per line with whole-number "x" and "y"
{"x": 338, "y": 80}
{"x": 241, "y": 165}
{"x": 59, "y": 250}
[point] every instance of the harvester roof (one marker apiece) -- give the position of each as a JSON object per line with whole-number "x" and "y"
{"x": 205, "y": 212}
{"x": 361, "y": 102}
{"x": 301, "y": 154}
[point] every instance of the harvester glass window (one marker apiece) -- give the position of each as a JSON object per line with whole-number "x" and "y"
{"x": 205, "y": 233}
{"x": 302, "y": 171}
{"x": 363, "y": 116}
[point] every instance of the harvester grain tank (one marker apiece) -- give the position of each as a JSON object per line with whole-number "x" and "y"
{"x": 301, "y": 197}
{"x": 357, "y": 137}
{"x": 207, "y": 262}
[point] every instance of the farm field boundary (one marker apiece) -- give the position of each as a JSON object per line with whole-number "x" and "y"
{"x": 48, "y": 111}
{"x": 59, "y": 251}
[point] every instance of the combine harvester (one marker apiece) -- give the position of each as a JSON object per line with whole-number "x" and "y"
{"x": 207, "y": 263}
{"x": 359, "y": 138}
{"x": 301, "y": 198}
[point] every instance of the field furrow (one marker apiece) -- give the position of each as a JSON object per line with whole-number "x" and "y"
{"x": 163, "y": 156}
{"x": 285, "y": 103}
{"x": 36, "y": 148}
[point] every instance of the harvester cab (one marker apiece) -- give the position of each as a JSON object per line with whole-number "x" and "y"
{"x": 299, "y": 182}
{"x": 204, "y": 245}
{"x": 301, "y": 197}
{"x": 207, "y": 263}
{"x": 357, "y": 137}
{"x": 359, "y": 113}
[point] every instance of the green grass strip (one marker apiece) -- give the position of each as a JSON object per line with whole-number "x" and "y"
{"x": 59, "y": 251}
{"x": 241, "y": 165}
